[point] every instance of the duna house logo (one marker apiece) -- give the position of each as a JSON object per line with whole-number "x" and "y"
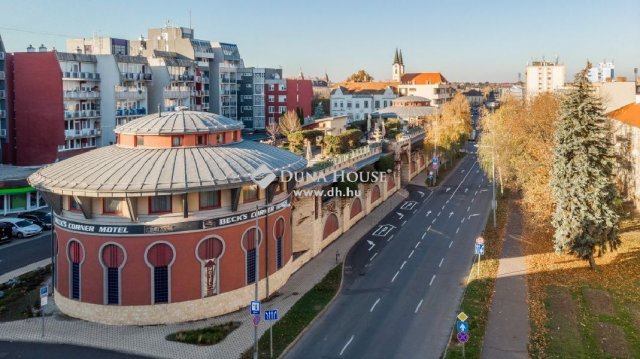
{"x": 262, "y": 176}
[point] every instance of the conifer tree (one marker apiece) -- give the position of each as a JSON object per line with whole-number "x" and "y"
{"x": 582, "y": 184}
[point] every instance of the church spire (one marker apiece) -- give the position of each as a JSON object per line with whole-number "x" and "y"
{"x": 401, "y": 60}
{"x": 396, "y": 59}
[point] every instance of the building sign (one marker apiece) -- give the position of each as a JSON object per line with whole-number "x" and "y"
{"x": 123, "y": 230}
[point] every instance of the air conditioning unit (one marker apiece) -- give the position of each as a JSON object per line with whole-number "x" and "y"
{"x": 3, "y": 133}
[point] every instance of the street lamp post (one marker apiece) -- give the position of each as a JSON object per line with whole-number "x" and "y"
{"x": 493, "y": 182}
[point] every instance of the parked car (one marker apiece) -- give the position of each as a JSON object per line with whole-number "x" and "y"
{"x": 41, "y": 218}
{"x": 21, "y": 228}
{"x": 6, "y": 233}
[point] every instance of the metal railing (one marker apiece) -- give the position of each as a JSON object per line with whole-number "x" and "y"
{"x": 81, "y": 94}
{"x": 340, "y": 161}
{"x": 123, "y": 112}
{"x": 74, "y": 75}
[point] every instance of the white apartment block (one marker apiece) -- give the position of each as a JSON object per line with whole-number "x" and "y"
{"x": 431, "y": 85}
{"x": 358, "y": 104}
{"x": 604, "y": 71}
{"x": 544, "y": 76}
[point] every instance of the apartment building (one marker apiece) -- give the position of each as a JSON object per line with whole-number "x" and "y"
{"x": 544, "y": 76}
{"x": 431, "y": 85}
{"x": 226, "y": 64}
{"x": 358, "y": 100}
{"x": 284, "y": 95}
{"x": 251, "y": 95}
{"x": 602, "y": 72}
{"x": 4, "y": 104}
{"x": 174, "y": 81}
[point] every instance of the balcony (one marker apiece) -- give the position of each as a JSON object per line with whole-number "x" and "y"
{"x": 2, "y": 75}
{"x": 202, "y": 63}
{"x": 82, "y": 114}
{"x": 130, "y": 93}
{"x": 205, "y": 92}
{"x": 81, "y": 76}
{"x": 339, "y": 162}
{"x": 81, "y": 95}
{"x": 133, "y": 76}
{"x": 3, "y": 94}
{"x": 127, "y": 112}
{"x": 3, "y": 113}
{"x": 1, "y": 55}
{"x": 205, "y": 80}
{"x": 182, "y": 78}
{"x": 85, "y": 132}
{"x": 177, "y": 92}
{"x": 3, "y": 133}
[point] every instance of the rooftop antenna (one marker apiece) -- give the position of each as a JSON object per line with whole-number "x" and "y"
{"x": 190, "y": 20}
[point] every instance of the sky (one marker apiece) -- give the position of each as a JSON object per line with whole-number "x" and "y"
{"x": 466, "y": 40}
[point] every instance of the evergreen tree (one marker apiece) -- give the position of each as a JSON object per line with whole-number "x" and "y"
{"x": 582, "y": 185}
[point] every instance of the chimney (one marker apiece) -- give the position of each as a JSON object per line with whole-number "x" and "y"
{"x": 42, "y": 48}
{"x": 31, "y": 48}
{"x": 78, "y": 50}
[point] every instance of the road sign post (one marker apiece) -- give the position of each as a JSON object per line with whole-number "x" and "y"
{"x": 479, "y": 250}
{"x": 271, "y": 315}
{"x": 44, "y": 293}
{"x": 463, "y": 330}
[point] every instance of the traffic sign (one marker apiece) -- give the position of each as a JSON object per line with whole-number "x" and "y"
{"x": 462, "y": 326}
{"x": 479, "y": 240}
{"x": 271, "y": 314}
{"x": 255, "y": 307}
{"x": 462, "y": 317}
{"x": 44, "y": 301}
{"x": 435, "y": 160}
{"x": 463, "y": 337}
{"x": 256, "y": 320}
{"x": 435, "y": 166}
{"x": 479, "y": 249}
{"x": 44, "y": 291}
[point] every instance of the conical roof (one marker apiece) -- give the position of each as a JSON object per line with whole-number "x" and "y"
{"x": 179, "y": 122}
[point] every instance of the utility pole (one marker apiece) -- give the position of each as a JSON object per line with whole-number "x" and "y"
{"x": 494, "y": 205}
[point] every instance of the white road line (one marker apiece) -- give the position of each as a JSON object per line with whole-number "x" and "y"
{"x": 390, "y": 238}
{"x": 439, "y": 213}
{"x": 403, "y": 264}
{"x": 410, "y": 254}
{"x": 463, "y": 179}
{"x": 424, "y": 234}
{"x": 447, "y": 202}
{"x": 418, "y": 306}
{"x": 443, "y": 206}
{"x": 468, "y": 208}
{"x": 442, "y": 260}
{"x": 431, "y": 281}
{"x": 374, "y": 305}
{"x": 472, "y": 200}
{"x": 405, "y": 222}
{"x": 428, "y": 229}
{"x": 450, "y": 243}
{"x": 346, "y": 345}
{"x": 373, "y": 256}
{"x": 394, "y": 277}
{"x": 475, "y": 194}
{"x": 462, "y": 220}
{"x": 434, "y": 221}
{"x": 417, "y": 244}
{"x": 457, "y": 230}
{"x": 414, "y": 211}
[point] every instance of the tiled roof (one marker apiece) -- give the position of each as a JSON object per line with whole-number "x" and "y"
{"x": 115, "y": 171}
{"x": 179, "y": 122}
{"x": 629, "y": 114}
{"x": 365, "y": 88}
{"x": 423, "y": 78}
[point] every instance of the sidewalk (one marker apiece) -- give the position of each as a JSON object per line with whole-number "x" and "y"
{"x": 150, "y": 340}
{"x": 507, "y": 333}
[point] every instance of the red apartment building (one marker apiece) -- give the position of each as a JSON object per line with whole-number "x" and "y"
{"x": 284, "y": 95}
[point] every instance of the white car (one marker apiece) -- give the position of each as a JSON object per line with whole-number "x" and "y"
{"x": 21, "y": 227}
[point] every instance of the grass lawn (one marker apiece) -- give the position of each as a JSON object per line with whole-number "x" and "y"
{"x": 286, "y": 329}
{"x": 205, "y": 336}
{"x": 19, "y": 298}
{"x": 477, "y": 296}
{"x": 579, "y": 313}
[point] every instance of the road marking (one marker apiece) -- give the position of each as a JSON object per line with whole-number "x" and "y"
{"x": 428, "y": 213}
{"x": 410, "y": 254}
{"x": 450, "y": 243}
{"x": 424, "y": 234}
{"x": 434, "y": 221}
{"x": 390, "y": 238}
{"x": 450, "y": 214}
{"x": 475, "y": 194}
{"x": 394, "y": 277}
{"x": 417, "y": 244}
{"x": 428, "y": 229}
{"x": 346, "y": 345}
{"x": 473, "y": 215}
{"x": 472, "y": 200}
{"x": 439, "y": 213}
{"x": 431, "y": 281}
{"x": 468, "y": 208}
{"x": 403, "y": 264}
{"x": 373, "y": 256}
{"x": 374, "y": 305}
{"x": 414, "y": 211}
{"x": 418, "y": 306}
{"x": 371, "y": 244}
{"x": 442, "y": 260}
{"x": 465, "y": 177}
{"x": 400, "y": 214}
{"x": 447, "y": 202}
{"x": 457, "y": 230}
{"x": 443, "y": 206}
{"x": 462, "y": 221}
{"x": 405, "y": 222}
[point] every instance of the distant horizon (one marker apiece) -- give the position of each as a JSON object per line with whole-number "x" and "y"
{"x": 465, "y": 41}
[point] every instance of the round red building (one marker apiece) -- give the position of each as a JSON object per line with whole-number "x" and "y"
{"x": 161, "y": 226}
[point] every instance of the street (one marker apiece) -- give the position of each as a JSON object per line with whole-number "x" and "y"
{"x": 22, "y": 252}
{"x": 29, "y": 350}
{"x": 404, "y": 281}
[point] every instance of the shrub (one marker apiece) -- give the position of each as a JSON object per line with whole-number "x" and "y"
{"x": 385, "y": 163}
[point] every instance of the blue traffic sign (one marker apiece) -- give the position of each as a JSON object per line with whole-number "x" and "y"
{"x": 435, "y": 160}
{"x": 271, "y": 314}
{"x": 480, "y": 249}
{"x": 44, "y": 291}
{"x": 462, "y": 326}
{"x": 255, "y": 307}
{"x": 463, "y": 337}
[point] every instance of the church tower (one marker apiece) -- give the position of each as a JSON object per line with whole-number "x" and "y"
{"x": 397, "y": 67}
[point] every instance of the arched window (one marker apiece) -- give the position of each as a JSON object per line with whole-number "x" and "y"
{"x": 160, "y": 257}
{"x": 391, "y": 182}
{"x": 330, "y": 226}
{"x": 375, "y": 193}
{"x": 76, "y": 257}
{"x": 112, "y": 257}
{"x": 356, "y": 207}
{"x": 279, "y": 238}
{"x": 209, "y": 252}
{"x": 249, "y": 245}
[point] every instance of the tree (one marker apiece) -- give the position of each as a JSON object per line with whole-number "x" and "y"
{"x": 273, "y": 130}
{"x": 582, "y": 178}
{"x": 450, "y": 127}
{"x": 289, "y": 122}
{"x": 360, "y": 76}
{"x": 300, "y": 113}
